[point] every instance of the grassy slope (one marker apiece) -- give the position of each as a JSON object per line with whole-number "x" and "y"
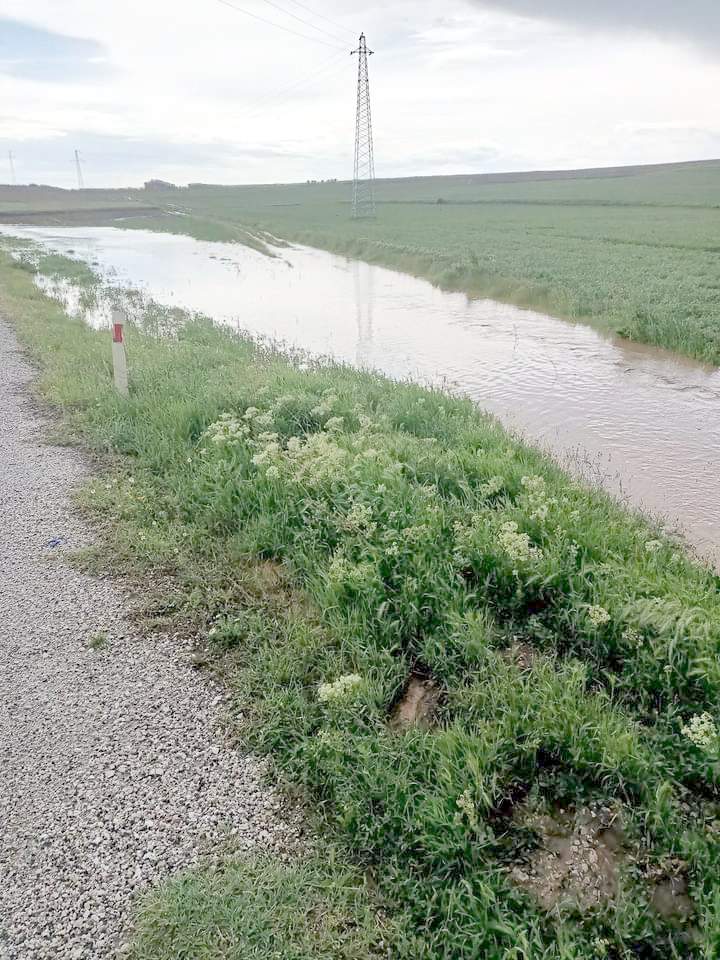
{"x": 336, "y": 524}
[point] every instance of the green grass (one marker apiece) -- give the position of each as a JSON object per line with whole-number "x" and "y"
{"x": 639, "y": 254}
{"x": 240, "y": 910}
{"x": 325, "y": 524}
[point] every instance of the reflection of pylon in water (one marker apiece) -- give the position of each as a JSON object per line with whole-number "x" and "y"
{"x": 364, "y": 302}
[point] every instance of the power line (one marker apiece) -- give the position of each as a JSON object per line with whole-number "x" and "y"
{"x": 271, "y": 23}
{"x": 322, "y": 16}
{"x": 307, "y": 23}
{"x": 267, "y": 100}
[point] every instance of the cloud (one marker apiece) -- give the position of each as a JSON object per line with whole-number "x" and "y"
{"x": 467, "y": 85}
{"x": 34, "y": 53}
{"x": 695, "y": 20}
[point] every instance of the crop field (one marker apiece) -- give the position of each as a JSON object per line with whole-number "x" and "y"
{"x": 639, "y": 254}
{"x": 457, "y": 657}
{"x": 634, "y": 250}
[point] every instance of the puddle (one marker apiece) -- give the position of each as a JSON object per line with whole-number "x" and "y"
{"x": 643, "y": 422}
{"x": 578, "y": 861}
{"x": 671, "y": 901}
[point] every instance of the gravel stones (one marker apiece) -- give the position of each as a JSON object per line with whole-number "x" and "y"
{"x": 114, "y": 771}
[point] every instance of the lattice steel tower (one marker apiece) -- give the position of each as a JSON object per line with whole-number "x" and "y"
{"x": 363, "y": 200}
{"x": 78, "y": 171}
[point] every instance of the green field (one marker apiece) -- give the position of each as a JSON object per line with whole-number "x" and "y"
{"x": 635, "y": 250}
{"x": 638, "y": 254}
{"x": 457, "y": 656}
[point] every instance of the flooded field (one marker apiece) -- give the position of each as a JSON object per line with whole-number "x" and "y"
{"x": 643, "y": 422}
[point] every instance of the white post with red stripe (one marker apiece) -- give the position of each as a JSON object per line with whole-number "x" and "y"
{"x": 118, "y": 353}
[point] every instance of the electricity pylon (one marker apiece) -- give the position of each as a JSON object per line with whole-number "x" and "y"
{"x": 78, "y": 168}
{"x": 363, "y": 200}
{"x": 11, "y": 158}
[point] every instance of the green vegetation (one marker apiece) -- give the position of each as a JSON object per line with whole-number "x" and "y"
{"x": 244, "y": 910}
{"x": 43, "y": 204}
{"x": 98, "y": 641}
{"x": 639, "y": 254}
{"x": 336, "y": 535}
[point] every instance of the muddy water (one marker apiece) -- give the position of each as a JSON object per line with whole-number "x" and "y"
{"x": 644, "y": 422}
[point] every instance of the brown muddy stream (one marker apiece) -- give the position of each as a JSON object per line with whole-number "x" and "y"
{"x": 643, "y": 422}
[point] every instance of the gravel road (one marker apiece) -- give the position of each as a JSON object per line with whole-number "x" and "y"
{"x": 113, "y": 767}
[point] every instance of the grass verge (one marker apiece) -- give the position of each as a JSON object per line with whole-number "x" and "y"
{"x": 246, "y": 909}
{"x": 340, "y": 539}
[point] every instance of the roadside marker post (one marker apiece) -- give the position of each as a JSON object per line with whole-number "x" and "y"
{"x": 118, "y": 354}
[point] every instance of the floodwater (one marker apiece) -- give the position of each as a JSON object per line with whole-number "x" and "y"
{"x": 643, "y": 422}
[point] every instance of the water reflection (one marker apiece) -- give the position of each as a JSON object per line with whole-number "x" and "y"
{"x": 363, "y": 275}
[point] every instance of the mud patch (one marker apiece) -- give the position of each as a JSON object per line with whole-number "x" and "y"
{"x": 523, "y": 655}
{"x": 670, "y": 899}
{"x": 417, "y": 705}
{"x": 578, "y": 861}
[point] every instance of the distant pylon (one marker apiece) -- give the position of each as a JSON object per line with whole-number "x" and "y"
{"x": 78, "y": 168}
{"x": 363, "y": 199}
{"x": 11, "y": 158}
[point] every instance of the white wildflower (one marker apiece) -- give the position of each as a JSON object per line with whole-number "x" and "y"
{"x": 325, "y": 407}
{"x": 340, "y": 689}
{"x": 538, "y": 503}
{"x": 533, "y": 483}
{"x": 516, "y": 545}
{"x": 702, "y": 731}
{"x": 338, "y": 569}
{"x": 540, "y": 512}
{"x": 491, "y": 487}
{"x": 598, "y": 615}
{"x": 227, "y": 430}
{"x": 466, "y": 806}
{"x": 268, "y": 455}
{"x": 652, "y": 546}
{"x": 334, "y": 424}
{"x": 318, "y": 459}
{"x": 359, "y": 519}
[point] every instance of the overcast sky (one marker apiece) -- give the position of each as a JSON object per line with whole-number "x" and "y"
{"x": 194, "y": 90}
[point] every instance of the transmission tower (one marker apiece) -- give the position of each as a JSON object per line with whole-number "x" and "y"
{"x": 78, "y": 168}
{"x": 11, "y": 158}
{"x": 363, "y": 200}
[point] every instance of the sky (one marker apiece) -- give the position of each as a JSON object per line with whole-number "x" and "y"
{"x": 258, "y": 91}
